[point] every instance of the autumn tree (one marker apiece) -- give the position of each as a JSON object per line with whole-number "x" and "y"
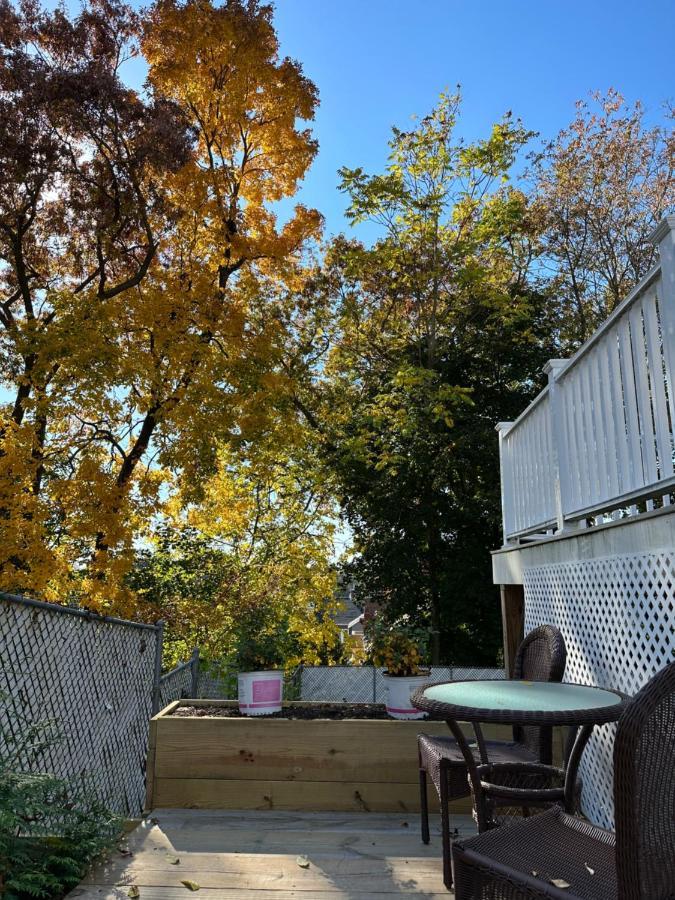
{"x": 81, "y": 207}
{"x": 438, "y": 336}
{"x": 255, "y": 551}
{"x": 147, "y": 238}
{"x": 599, "y": 188}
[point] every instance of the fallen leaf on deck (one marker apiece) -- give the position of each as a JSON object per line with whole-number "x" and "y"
{"x": 174, "y": 860}
{"x": 124, "y": 851}
{"x": 559, "y": 883}
{"x": 589, "y": 870}
{"x": 404, "y": 825}
{"x": 133, "y": 892}
{"x": 303, "y": 862}
{"x": 190, "y": 885}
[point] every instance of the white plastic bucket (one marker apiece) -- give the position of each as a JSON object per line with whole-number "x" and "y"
{"x": 260, "y": 693}
{"x": 399, "y": 688}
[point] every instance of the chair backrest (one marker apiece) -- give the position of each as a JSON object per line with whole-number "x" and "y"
{"x": 540, "y": 657}
{"x": 644, "y": 792}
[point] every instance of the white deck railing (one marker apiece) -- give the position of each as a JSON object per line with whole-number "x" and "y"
{"x": 600, "y": 437}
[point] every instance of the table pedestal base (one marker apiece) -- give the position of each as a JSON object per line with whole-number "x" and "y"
{"x": 496, "y": 785}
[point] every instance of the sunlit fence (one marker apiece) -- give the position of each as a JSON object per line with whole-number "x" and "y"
{"x": 181, "y": 682}
{"x": 95, "y": 681}
{"x": 339, "y": 684}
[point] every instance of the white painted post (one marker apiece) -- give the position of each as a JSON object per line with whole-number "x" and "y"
{"x": 506, "y": 479}
{"x": 663, "y": 236}
{"x": 561, "y": 458}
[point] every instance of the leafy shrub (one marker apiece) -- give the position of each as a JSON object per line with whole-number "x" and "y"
{"x": 50, "y": 831}
{"x": 263, "y": 642}
{"x": 400, "y": 647}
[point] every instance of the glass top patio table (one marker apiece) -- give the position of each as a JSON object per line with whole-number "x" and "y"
{"x": 521, "y": 702}
{"x": 540, "y": 703}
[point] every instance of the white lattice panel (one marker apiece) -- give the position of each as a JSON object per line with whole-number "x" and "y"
{"x": 617, "y": 616}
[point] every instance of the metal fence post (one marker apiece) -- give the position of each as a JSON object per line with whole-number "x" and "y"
{"x": 194, "y": 686}
{"x": 296, "y": 681}
{"x": 374, "y": 684}
{"x": 159, "y": 645}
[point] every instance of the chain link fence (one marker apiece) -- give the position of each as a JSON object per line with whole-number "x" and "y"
{"x": 96, "y": 681}
{"x": 365, "y": 684}
{"x": 346, "y": 684}
{"x": 181, "y": 682}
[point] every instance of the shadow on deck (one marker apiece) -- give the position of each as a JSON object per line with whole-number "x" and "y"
{"x": 255, "y": 856}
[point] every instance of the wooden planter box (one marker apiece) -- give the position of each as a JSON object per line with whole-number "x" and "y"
{"x": 261, "y": 763}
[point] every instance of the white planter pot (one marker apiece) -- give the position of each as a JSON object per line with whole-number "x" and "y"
{"x": 260, "y": 693}
{"x": 398, "y": 691}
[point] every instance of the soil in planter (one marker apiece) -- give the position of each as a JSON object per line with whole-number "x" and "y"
{"x": 320, "y": 711}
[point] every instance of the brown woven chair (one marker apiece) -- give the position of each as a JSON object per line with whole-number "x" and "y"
{"x": 540, "y": 657}
{"x": 521, "y": 861}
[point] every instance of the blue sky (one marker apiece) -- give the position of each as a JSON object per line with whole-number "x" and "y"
{"x": 376, "y": 62}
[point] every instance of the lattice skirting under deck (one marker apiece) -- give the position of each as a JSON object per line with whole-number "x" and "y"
{"x": 617, "y": 615}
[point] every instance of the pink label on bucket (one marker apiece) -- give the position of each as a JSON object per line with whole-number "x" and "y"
{"x": 266, "y": 690}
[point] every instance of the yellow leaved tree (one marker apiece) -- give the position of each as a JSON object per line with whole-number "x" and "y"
{"x": 139, "y": 249}
{"x": 246, "y": 572}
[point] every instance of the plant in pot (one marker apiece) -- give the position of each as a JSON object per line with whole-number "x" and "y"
{"x": 261, "y": 650}
{"x": 401, "y": 649}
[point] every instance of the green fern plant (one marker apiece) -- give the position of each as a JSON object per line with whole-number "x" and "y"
{"x": 50, "y": 831}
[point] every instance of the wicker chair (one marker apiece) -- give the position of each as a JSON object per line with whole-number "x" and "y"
{"x": 521, "y": 861}
{"x": 540, "y": 657}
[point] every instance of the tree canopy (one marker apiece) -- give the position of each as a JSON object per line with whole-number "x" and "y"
{"x": 437, "y": 336}
{"x": 599, "y": 188}
{"x": 143, "y": 270}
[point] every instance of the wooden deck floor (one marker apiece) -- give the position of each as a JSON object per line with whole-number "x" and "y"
{"x": 255, "y": 856}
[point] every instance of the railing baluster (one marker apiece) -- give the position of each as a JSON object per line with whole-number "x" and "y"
{"x": 610, "y": 409}
{"x": 618, "y": 411}
{"x": 630, "y": 401}
{"x": 581, "y": 448}
{"x": 664, "y": 441}
{"x": 643, "y": 395}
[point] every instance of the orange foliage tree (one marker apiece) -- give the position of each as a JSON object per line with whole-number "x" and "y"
{"x": 599, "y": 189}
{"x": 138, "y": 238}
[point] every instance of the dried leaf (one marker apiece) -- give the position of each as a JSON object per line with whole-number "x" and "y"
{"x": 303, "y": 862}
{"x": 191, "y": 885}
{"x": 174, "y": 860}
{"x": 559, "y": 883}
{"x": 589, "y": 870}
{"x": 404, "y": 825}
{"x": 123, "y": 850}
{"x": 133, "y": 892}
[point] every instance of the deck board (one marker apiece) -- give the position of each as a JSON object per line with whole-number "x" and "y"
{"x": 253, "y": 855}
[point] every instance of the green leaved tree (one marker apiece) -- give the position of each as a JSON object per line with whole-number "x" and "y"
{"x": 437, "y": 336}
